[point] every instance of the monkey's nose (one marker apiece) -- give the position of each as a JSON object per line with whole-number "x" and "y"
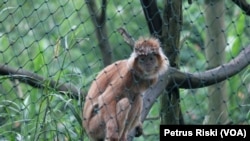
{"x": 148, "y": 68}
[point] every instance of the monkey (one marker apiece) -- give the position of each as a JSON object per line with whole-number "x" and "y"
{"x": 113, "y": 104}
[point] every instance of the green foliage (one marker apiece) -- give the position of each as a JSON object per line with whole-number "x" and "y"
{"x": 56, "y": 39}
{"x": 33, "y": 114}
{"x": 192, "y": 59}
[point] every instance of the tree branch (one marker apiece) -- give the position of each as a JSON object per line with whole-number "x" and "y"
{"x": 99, "y": 21}
{"x": 243, "y": 5}
{"x": 127, "y": 37}
{"x": 37, "y": 81}
{"x": 153, "y": 17}
{"x": 212, "y": 76}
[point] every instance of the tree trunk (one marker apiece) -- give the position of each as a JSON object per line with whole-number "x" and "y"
{"x": 172, "y": 21}
{"x": 99, "y": 21}
{"x": 215, "y": 44}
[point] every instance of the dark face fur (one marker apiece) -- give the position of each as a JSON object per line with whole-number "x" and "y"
{"x": 147, "y": 65}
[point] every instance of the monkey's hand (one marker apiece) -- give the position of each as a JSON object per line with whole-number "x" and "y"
{"x": 138, "y": 130}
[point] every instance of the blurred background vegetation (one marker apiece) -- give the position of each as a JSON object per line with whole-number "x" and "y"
{"x": 56, "y": 39}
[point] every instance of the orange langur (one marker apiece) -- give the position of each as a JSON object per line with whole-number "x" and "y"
{"x": 114, "y": 102}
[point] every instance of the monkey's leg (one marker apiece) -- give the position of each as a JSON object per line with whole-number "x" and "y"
{"x": 122, "y": 110}
{"x": 115, "y": 127}
{"x": 95, "y": 128}
{"x": 137, "y": 120}
{"x": 112, "y": 132}
{"x": 110, "y": 117}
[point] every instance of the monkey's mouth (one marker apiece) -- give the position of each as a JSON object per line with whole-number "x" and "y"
{"x": 149, "y": 71}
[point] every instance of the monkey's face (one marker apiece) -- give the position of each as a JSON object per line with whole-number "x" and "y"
{"x": 147, "y": 65}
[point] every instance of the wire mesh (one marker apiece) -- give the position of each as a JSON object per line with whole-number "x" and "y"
{"x": 58, "y": 41}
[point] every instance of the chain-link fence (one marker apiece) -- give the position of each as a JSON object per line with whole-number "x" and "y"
{"x": 51, "y": 51}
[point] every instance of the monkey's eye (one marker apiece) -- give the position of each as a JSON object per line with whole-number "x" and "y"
{"x": 141, "y": 59}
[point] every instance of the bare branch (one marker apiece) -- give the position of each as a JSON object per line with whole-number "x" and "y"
{"x": 243, "y": 5}
{"x": 212, "y": 76}
{"x": 127, "y": 37}
{"x": 37, "y": 81}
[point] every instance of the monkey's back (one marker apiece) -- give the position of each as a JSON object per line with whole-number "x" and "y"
{"x": 110, "y": 78}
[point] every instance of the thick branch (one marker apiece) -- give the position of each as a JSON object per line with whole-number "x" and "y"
{"x": 212, "y": 76}
{"x": 171, "y": 31}
{"x": 243, "y": 5}
{"x": 37, "y": 81}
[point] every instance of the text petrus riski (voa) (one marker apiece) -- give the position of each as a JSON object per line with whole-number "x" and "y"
{"x": 241, "y": 132}
{"x": 196, "y": 132}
